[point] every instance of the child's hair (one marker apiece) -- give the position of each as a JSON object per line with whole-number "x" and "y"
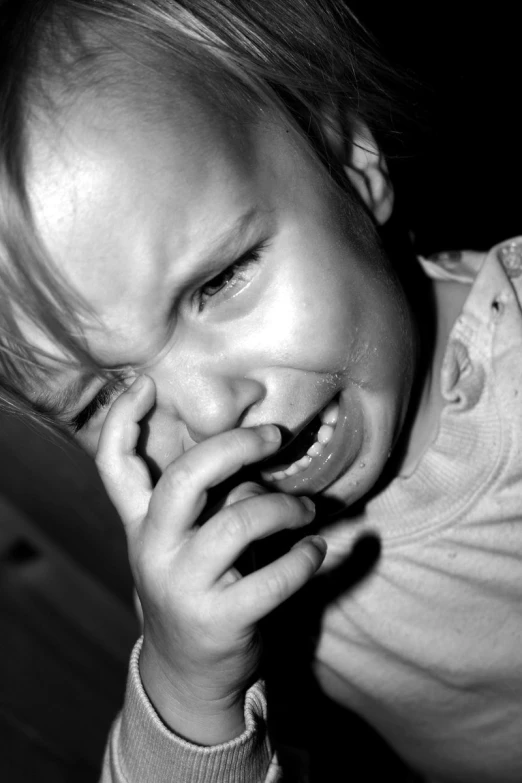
{"x": 296, "y": 56}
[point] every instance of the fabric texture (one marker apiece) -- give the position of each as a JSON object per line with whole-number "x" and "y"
{"x": 428, "y": 647}
{"x": 141, "y": 748}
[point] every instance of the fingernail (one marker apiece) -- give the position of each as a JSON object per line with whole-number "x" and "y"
{"x": 138, "y": 384}
{"x": 319, "y": 543}
{"x": 307, "y": 503}
{"x": 269, "y": 432}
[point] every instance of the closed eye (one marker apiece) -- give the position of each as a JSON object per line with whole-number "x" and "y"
{"x": 102, "y": 400}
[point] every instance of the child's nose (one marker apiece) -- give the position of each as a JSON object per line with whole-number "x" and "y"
{"x": 208, "y": 400}
{"x": 221, "y": 403}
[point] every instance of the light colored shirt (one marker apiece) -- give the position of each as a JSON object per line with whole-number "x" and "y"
{"x": 429, "y": 647}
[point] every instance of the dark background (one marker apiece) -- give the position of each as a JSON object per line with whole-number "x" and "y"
{"x": 459, "y": 182}
{"x": 65, "y": 592}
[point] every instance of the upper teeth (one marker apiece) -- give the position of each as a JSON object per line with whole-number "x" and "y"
{"x": 328, "y": 418}
{"x": 330, "y": 414}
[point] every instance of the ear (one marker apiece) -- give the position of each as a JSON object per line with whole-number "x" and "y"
{"x": 363, "y": 162}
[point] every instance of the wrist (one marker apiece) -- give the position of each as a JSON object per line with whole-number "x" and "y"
{"x": 194, "y": 713}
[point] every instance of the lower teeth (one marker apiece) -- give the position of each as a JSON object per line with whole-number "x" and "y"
{"x": 328, "y": 418}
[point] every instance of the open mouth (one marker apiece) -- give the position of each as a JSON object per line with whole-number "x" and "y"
{"x": 307, "y": 448}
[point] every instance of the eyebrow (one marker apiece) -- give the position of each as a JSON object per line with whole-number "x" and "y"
{"x": 55, "y": 404}
{"x": 236, "y": 233}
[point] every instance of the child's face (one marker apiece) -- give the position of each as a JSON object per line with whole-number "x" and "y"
{"x": 221, "y": 261}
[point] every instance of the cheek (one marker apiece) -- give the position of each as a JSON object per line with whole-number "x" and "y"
{"x": 309, "y": 320}
{"x": 338, "y": 321}
{"x": 297, "y": 331}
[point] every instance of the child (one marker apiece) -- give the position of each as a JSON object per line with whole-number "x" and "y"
{"x": 193, "y": 285}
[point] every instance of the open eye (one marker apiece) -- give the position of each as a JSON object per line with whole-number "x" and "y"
{"x": 231, "y": 279}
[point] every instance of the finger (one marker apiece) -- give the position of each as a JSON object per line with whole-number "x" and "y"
{"x": 257, "y": 594}
{"x": 124, "y": 473}
{"x": 182, "y": 489}
{"x": 246, "y": 489}
{"x": 220, "y": 542}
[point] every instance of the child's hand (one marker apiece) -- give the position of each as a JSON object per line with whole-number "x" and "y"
{"x": 200, "y": 649}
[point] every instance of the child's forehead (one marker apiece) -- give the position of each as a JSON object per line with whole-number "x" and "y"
{"x": 104, "y": 191}
{"x": 97, "y": 145}
{"x": 134, "y": 109}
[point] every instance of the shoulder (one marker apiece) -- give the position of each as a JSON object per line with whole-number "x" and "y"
{"x": 491, "y": 281}
{"x": 502, "y": 263}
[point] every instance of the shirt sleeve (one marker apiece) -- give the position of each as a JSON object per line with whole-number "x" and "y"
{"x": 142, "y": 749}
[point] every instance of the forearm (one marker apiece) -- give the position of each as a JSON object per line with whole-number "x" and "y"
{"x": 142, "y": 748}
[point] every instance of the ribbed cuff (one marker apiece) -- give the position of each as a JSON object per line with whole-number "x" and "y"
{"x": 144, "y": 749}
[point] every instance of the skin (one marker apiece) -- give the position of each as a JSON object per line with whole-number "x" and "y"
{"x": 139, "y": 218}
{"x": 131, "y": 219}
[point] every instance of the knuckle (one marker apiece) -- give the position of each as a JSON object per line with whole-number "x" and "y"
{"x": 289, "y": 575}
{"x": 276, "y": 586}
{"x": 289, "y": 504}
{"x": 243, "y": 491}
{"x": 238, "y": 521}
{"x": 241, "y": 443}
{"x": 179, "y": 476}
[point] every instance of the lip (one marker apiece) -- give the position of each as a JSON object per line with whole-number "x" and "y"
{"x": 336, "y": 458}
